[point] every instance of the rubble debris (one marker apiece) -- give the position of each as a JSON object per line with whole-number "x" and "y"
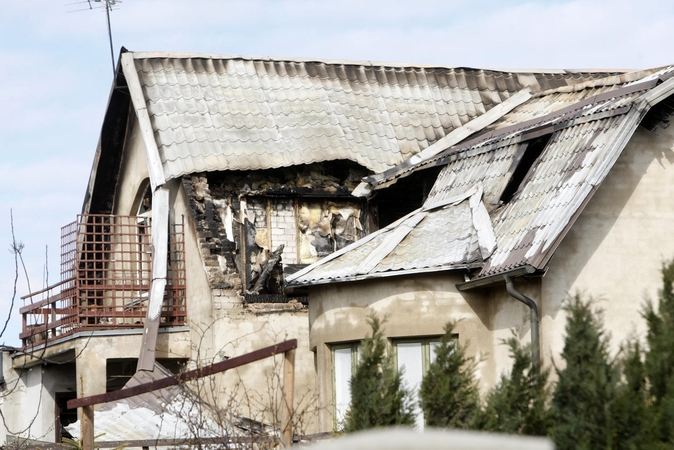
{"x": 273, "y": 261}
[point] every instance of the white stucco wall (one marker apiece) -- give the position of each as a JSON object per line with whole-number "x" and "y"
{"x": 27, "y": 400}
{"x": 22, "y": 402}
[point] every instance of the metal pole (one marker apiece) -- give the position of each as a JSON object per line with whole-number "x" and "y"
{"x": 112, "y": 53}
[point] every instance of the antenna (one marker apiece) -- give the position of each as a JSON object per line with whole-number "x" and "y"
{"x": 109, "y": 5}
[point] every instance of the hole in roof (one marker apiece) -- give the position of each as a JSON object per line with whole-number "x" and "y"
{"x": 659, "y": 115}
{"x": 523, "y": 162}
{"x": 408, "y": 194}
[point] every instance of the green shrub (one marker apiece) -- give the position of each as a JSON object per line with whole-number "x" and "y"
{"x": 449, "y": 395}
{"x": 518, "y": 404}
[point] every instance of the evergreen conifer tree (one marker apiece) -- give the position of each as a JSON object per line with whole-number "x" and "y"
{"x": 449, "y": 395}
{"x": 378, "y": 397}
{"x": 659, "y": 360}
{"x": 518, "y": 404}
{"x": 586, "y": 388}
{"x": 630, "y": 412}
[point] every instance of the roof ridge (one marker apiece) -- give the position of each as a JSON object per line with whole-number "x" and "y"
{"x": 337, "y": 61}
{"x": 611, "y": 80}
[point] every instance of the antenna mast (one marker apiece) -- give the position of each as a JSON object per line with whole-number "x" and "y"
{"x": 108, "y": 5}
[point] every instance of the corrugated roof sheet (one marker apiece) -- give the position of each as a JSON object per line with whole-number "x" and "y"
{"x": 584, "y": 145}
{"x": 212, "y": 113}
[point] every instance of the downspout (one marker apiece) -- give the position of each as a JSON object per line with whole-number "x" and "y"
{"x": 160, "y": 217}
{"x": 534, "y": 318}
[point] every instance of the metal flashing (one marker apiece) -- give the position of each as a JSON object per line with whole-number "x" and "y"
{"x": 455, "y": 136}
{"x": 460, "y": 227}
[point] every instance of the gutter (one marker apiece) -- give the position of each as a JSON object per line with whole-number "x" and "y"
{"x": 493, "y": 279}
{"x": 510, "y": 287}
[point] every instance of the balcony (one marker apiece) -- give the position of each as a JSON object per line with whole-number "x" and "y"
{"x": 106, "y": 264}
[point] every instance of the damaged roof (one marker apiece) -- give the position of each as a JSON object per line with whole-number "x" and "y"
{"x": 205, "y": 112}
{"x": 564, "y": 142}
{"x": 212, "y": 113}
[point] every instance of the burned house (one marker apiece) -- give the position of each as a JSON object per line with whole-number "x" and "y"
{"x": 567, "y": 192}
{"x": 218, "y": 178}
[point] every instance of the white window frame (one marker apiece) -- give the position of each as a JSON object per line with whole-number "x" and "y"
{"x": 355, "y": 353}
{"x": 427, "y": 357}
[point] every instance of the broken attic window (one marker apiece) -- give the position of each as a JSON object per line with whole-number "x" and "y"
{"x": 659, "y": 115}
{"x": 522, "y": 164}
{"x": 406, "y": 195}
{"x": 308, "y": 228}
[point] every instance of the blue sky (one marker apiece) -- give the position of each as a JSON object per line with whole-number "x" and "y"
{"x": 55, "y": 73}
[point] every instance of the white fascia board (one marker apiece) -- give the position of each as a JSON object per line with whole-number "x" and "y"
{"x": 157, "y": 177}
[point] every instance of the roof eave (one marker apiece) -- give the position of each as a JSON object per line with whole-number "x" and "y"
{"x": 378, "y": 275}
{"x": 112, "y": 120}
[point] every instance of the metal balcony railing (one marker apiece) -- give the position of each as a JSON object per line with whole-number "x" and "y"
{"x": 106, "y": 274}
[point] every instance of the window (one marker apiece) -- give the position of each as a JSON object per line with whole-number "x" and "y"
{"x": 344, "y": 361}
{"x": 414, "y": 357}
{"x": 118, "y": 371}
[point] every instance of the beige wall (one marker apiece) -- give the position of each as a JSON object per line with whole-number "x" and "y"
{"x": 93, "y": 353}
{"x": 220, "y": 324}
{"x": 616, "y": 249}
{"x": 416, "y": 306}
{"x": 133, "y": 171}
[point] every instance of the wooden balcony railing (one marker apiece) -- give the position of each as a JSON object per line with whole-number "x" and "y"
{"x": 106, "y": 266}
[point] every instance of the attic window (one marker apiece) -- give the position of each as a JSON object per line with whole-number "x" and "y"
{"x": 522, "y": 164}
